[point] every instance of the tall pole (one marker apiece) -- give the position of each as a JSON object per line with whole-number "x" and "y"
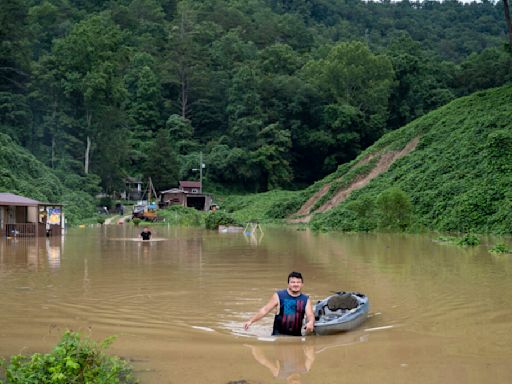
{"x": 201, "y": 172}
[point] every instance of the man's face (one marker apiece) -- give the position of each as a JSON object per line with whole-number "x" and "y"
{"x": 295, "y": 284}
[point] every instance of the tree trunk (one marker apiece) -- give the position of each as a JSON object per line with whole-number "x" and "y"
{"x": 54, "y": 129}
{"x": 184, "y": 94}
{"x": 183, "y": 71}
{"x": 53, "y": 152}
{"x": 88, "y": 145}
{"x": 506, "y": 10}
{"x": 87, "y": 150}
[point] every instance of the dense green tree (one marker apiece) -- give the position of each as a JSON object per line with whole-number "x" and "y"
{"x": 422, "y": 84}
{"x": 506, "y": 12}
{"x": 143, "y": 105}
{"x": 182, "y": 134}
{"x": 49, "y": 20}
{"x": 245, "y": 109}
{"x": 15, "y": 114}
{"x": 489, "y": 68}
{"x": 277, "y": 92}
{"x": 89, "y": 59}
{"x": 149, "y": 29}
{"x": 162, "y": 164}
{"x": 273, "y": 145}
{"x": 186, "y": 58}
{"x": 356, "y": 85}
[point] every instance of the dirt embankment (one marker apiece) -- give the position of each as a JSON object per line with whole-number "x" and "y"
{"x": 386, "y": 159}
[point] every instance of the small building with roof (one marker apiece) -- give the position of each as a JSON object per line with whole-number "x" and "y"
{"x": 188, "y": 194}
{"x": 133, "y": 189}
{"x": 24, "y": 217}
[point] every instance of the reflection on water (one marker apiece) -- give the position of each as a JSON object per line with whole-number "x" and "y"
{"x": 439, "y": 313}
{"x": 32, "y": 253}
{"x": 289, "y": 359}
{"x": 286, "y": 361}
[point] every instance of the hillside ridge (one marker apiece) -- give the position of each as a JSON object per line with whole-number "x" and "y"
{"x": 386, "y": 160}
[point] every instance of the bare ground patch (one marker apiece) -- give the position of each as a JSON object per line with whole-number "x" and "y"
{"x": 384, "y": 163}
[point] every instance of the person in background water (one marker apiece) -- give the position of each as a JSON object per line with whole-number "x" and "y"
{"x": 291, "y": 306}
{"x": 145, "y": 234}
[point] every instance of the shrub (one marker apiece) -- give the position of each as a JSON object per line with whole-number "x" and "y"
{"x": 469, "y": 240}
{"x": 214, "y": 219}
{"x": 179, "y": 215}
{"x": 73, "y": 360}
{"x": 394, "y": 209}
{"x": 365, "y": 212}
{"x": 284, "y": 207}
{"x": 136, "y": 221}
{"x": 500, "y": 248}
{"x": 106, "y": 201}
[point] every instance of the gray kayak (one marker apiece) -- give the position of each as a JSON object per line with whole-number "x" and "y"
{"x": 340, "y": 312}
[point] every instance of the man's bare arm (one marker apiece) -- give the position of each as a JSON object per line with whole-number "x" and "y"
{"x": 272, "y": 303}
{"x": 310, "y": 316}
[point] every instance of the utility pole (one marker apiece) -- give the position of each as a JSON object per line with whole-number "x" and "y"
{"x": 201, "y": 172}
{"x": 201, "y": 166}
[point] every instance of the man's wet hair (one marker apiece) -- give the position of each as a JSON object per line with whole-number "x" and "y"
{"x": 297, "y": 275}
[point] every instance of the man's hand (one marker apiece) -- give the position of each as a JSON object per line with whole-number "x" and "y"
{"x": 247, "y": 324}
{"x": 310, "y": 326}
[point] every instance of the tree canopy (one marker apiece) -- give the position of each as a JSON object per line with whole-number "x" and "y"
{"x": 275, "y": 94}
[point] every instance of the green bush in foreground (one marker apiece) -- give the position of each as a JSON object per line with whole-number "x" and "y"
{"x": 468, "y": 239}
{"x": 186, "y": 216}
{"x": 214, "y": 219}
{"x": 73, "y": 361}
{"x": 395, "y": 209}
{"x": 500, "y": 248}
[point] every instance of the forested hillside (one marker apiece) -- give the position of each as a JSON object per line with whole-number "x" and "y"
{"x": 274, "y": 94}
{"x": 21, "y": 173}
{"x": 450, "y": 170}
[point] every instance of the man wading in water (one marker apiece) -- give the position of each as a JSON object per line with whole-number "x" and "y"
{"x": 291, "y": 306}
{"x": 146, "y": 234}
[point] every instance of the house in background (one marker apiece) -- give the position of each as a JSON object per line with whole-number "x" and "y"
{"x": 21, "y": 216}
{"x": 189, "y": 194}
{"x": 133, "y": 189}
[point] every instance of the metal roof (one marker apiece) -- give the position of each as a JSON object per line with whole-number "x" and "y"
{"x": 190, "y": 184}
{"x": 172, "y": 190}
{"x": 12, "y": 199}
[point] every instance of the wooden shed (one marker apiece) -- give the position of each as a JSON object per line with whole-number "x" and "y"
{"x": 187, "y": 195}
{"x": 23, "y": 217}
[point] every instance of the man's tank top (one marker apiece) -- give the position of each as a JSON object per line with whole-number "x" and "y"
{"x": 291, "y": 314}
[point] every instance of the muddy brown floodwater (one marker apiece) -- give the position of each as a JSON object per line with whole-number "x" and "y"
{"x": 438, "y": 313}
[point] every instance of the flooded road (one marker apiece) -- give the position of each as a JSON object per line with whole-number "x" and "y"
{"x": 438, "y": 313}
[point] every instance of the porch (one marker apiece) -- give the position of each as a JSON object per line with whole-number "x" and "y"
{"x": 30, "y": 230}
{"x": 24, "y": 217}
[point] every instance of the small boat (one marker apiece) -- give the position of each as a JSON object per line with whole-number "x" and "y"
{"x": 230, "y": 229}
{"x": 340, "y": 312}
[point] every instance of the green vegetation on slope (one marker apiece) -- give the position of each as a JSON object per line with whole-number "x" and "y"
{"x": 459, "y": 177}
{"x": 271, "y": 94}
{"x": 21, "y": 173}
{"x": 266, "y": 207}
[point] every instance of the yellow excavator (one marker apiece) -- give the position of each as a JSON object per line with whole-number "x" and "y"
{"x": 147, "y": 210}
